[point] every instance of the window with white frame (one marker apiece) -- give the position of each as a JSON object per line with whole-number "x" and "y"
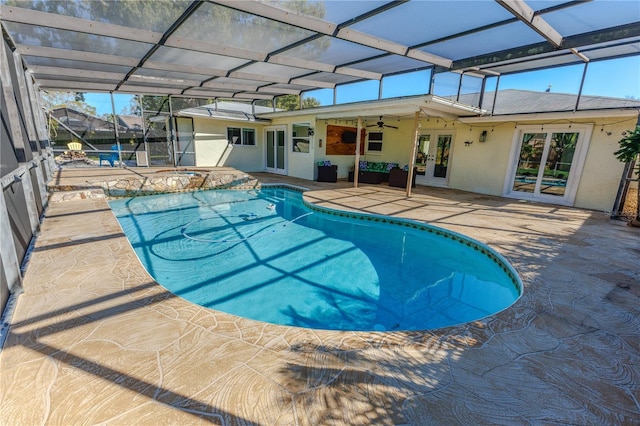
{"x": 241, "y": 136}
{"x": 374, "y": 141}
{"x": 301, "y": 137}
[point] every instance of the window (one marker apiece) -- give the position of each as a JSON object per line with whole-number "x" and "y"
{"x": 375, "y": 141}
{"x": 238, "y": 136}
{"x": 301, "y": 133}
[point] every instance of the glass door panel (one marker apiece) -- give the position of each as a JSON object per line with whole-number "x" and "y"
{"x": 421, "y": 154}
{"x": 280, "y": 152}
{"x": 529, "y": 162}
{"x": 558, "y": 163}
{"x": 276, "y": 150}
{"x": 432, "y": 159}
{"x": 442, "y": 156}
{"x": 271, "y": 152}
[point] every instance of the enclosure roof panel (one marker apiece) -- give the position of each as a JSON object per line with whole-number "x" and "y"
{"x": 270, "y": 48}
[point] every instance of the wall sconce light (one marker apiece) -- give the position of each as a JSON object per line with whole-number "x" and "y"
{"x": 320, "y": 143}
{"x": 467, "y": 143}
{"x": 483, "y": 136}
{"x": 310, "y": 131}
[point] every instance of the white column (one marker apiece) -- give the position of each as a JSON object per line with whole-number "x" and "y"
{"x": 412, "y": 160}
{"x": 358, "y": 143}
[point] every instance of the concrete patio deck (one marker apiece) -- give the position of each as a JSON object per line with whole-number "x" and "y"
{"x": 94, "y": 340}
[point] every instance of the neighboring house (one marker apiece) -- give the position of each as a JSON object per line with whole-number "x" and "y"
{"x": 84, "y": 125}
{"x": 459, "y": 146}
{"x": 96, "y": 133}
{"x": 130, "y": 122}
{"x": 94, "y": 129}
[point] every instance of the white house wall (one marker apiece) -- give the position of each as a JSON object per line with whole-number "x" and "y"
{"x": 396, "y": 144}
{"x": 213, "y": 149}
{"x": 479, "y": 167}
{"x": 302, "y": 164}
{"x": 602, "y": 171}
{"x": 482, "y": 167}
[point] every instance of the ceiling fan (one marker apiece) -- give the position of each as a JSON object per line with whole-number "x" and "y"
{"x": 381, "y": 124}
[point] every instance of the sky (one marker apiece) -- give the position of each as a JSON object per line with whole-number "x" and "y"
{"x": 618, "y": 78}
{"x": 102, "y": 102}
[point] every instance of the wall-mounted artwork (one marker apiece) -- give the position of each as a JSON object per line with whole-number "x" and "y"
{"x": 341, "y": 140}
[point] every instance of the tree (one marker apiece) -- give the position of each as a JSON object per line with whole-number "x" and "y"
{"x": 53, "y": 99}
{"x": 288, "y": 102}
{"x": 562, "y": 143}
{"x": 630, "y": 151}
{"x": 310, "y": 103}
{"x": 292, "y": 102}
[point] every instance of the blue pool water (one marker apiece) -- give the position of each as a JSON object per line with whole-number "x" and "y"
{"x": 265, "y": 255}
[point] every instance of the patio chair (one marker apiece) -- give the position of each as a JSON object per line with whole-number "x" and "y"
{"x": 327, "y": 172}
{"x": 111, "y": 158}
{"x": 75, "y": 151}
{"x": 398, "y": 177}
{"x": 74, "y": 146}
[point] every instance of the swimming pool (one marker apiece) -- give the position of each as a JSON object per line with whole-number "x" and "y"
{"x": 268, "y": 256}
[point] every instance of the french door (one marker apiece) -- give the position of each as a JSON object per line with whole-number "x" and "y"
{"x": 547, "y": 162}
{"x": 275, "y": 138}
{"x": 433, "y": 159}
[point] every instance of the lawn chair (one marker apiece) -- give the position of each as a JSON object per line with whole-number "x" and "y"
{"x": 75, "y": 151}
{"x": 74, "y": 146}
{"x": 111, "y": 158}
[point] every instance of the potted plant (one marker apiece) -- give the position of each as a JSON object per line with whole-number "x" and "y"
{"x": 628, "y": 152}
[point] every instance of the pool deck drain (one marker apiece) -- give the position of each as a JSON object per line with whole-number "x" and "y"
{"x": 94, "y": 339}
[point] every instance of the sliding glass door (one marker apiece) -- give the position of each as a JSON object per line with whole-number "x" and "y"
{"x": 275, "y": 138}
{"x": 547, "y": 163}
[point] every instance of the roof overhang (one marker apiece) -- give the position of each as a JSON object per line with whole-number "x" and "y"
{"x": 550, "y": 116}
{"x": 429, "y": 105}
{"x": 219, "y": 115}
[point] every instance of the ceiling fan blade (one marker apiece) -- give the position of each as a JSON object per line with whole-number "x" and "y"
{"x": 388, "y": 125}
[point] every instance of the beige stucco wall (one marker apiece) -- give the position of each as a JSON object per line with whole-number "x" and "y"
{"x": 479, "y": 167}
{"x": 299, "y": 164}
{"x": 602, "y": 171}
{"x": 212, "y": 148}
{"x": 483, "y": 167}
{"x": 396, "y": 144}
